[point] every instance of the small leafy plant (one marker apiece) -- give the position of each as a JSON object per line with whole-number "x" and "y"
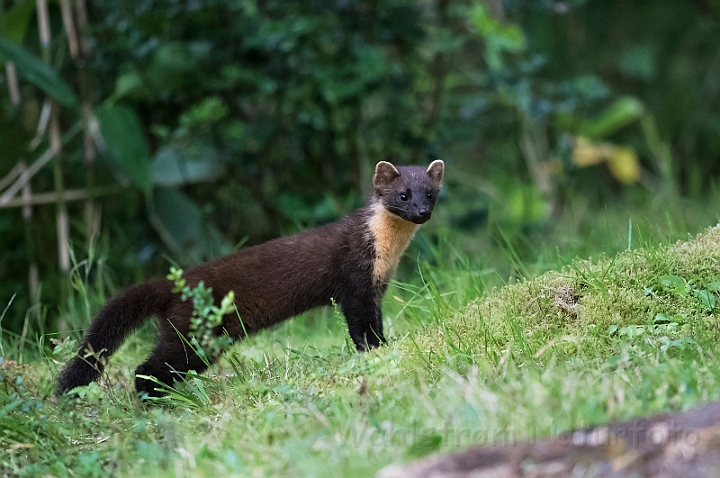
{"x": 705, "y": 293}
{"x": 206, "y": 319}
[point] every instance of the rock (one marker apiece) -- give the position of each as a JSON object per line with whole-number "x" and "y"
{"x": 685, "y": 444}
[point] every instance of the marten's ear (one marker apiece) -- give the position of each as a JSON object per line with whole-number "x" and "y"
{"x": 436, "y": 170}
{"x": 384, "y": 174}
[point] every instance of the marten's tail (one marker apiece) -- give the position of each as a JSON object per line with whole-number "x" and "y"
{"x": 108, "y": 330}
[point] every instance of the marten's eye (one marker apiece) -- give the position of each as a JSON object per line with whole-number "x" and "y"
{"x": 430, "y": 195}
{"x": 403, "y": 197}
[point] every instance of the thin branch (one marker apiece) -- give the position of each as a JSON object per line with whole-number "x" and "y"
{"x": 70, "y": 31}
{"x": 2, "y": 316}
{"x": 92, "y": 215}
{"x": 68, "y": 196}
{"x": 86, "y": 43}
{"x": 10, "y": 177}
{"x": 63, "y": 228}
{"x": 63, "y": 239}
{"x": 27, "y": 213}
{"x": 44, "y": 27}
{"x": 45, "y": 158}
{"x": 12, "y": 80}
{"x": 26, "y": 196}
{"x": 42, "y": 124}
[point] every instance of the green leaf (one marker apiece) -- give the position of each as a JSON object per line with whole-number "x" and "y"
{"x": 639, "y": 62}
{"x": 180, "y": 216}
{"x": 661, "y": 318}
{"x": 127, "y": 84}
{"x": 17, "y": 19}
{"x": 618, "y": 115}
{"x": 125, "y": 141}
{"x": 714, "y": 286}
{"x": 210, "y": 110}
{"x": 37, "y": 72}
{"x": 706, "y": 298}
{"x": 674, "y": 284}
{"x": 183, "y": 164}
{"x": 632, "y": 331}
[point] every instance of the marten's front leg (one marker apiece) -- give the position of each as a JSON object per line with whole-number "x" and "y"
{"x": 361, "y": 314}
{"x": 375, "y": 336}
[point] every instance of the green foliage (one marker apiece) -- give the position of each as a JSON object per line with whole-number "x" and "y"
{"x": 36, "y": 429}
{"x": 126, "y": 143}
{"x": 179, "y": 220}
{"x": 707, "y": 295}
{"x": 498, "y": 37}
{"x": 37, "y": 72}
{"x": 618, "y": 115}
{"x": 16, "y": 20}
{"x": 243, "y": 121}
{"x": 206, "y": 337}
{"x": 288, "y": 93}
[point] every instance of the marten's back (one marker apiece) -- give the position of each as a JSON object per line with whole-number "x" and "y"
{"x": 289, "y": 275}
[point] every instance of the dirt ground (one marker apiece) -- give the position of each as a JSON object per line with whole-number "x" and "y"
{"x": 685, "y": 444}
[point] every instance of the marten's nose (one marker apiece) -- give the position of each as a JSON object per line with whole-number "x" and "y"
{"x": 424, "y": 212}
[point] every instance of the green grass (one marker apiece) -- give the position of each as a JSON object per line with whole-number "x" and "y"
{"x": 477, "y": 355}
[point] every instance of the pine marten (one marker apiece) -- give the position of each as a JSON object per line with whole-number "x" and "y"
{"x": 349, "y": 261}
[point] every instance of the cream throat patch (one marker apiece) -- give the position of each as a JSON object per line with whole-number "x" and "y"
{"x": 391, "y": 234}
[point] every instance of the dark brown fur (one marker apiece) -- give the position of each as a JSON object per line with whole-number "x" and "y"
{"x": 272, "y": 282}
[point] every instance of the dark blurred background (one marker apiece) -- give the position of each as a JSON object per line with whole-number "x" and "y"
{"x": 182, "y": 130}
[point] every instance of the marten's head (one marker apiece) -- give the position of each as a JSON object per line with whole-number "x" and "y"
{"x": 408, "y": 191}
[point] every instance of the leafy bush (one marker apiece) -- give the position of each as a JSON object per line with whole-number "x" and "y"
{"x": 238, "y": 121}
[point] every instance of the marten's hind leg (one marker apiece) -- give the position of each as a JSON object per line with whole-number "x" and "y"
{"x": 169, "y": 361}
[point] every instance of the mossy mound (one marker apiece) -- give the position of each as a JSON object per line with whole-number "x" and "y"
{"x": 657, "y": 289}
